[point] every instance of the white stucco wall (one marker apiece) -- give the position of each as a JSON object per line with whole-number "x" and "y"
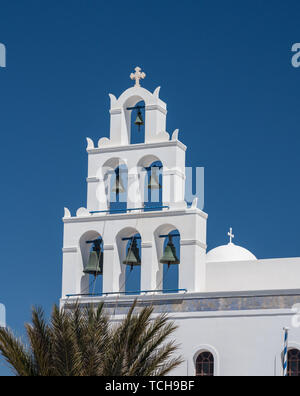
{"x": 253, "y": 275}
{"x": 247, "y": 343}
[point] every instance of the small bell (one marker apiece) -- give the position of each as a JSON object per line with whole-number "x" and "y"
{"x": 95, "y": 263}
{"x": 153, "y": 181}
{"x": 133, "y": 258}
{"x": 118, "y": 187}
{"x": 170, "y": 256}
{"x": 139, "y": 120}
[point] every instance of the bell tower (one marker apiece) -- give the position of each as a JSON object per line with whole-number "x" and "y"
{"x": 104, "y": 241}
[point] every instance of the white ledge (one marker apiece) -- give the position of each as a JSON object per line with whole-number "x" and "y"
{"x": 137, "y": 215}
{"x": 131, "y": 147}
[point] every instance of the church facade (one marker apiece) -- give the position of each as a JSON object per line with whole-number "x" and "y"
{"x": 230, "y": 307}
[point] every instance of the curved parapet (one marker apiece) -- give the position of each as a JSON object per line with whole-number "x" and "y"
{"x": 67, "y": 213}
{"x": 82, "y": 212}
{"x": 175, "y": 134}
{"x": 90, "y": 144}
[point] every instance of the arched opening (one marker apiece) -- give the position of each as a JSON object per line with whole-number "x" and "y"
{"x": 205, "y": 364}
{"x": 151, "y": 182}
{"x": 171, "y": 261}
{"x": 137, "y": 123}
{"x": 116, "y": 182}
{"x": 167, "y": 239}
{"x": 294, "y": 363}
{"x": 153, "y": 187}
{"x": 133, "y": 262}
{"x": 91, "y": 245}
{"x": 130, "y": 256}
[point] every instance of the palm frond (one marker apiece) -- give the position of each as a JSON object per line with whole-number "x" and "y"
{"x": 84, "y": 342}
{"x": 16, "y": 355}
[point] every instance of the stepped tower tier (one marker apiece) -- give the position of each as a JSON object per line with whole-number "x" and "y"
{"x": 120, "y": 172}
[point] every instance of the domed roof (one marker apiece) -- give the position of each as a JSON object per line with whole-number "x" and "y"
{"x": 230, "y": 252}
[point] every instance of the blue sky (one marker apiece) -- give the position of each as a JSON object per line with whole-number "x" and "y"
{"x": 226, "y": 75}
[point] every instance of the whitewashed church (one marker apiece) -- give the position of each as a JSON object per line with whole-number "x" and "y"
{"x": 231, "y": 308}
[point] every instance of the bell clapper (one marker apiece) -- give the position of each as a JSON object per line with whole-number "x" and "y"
{"x": 154, "y": 179}
{"x": 95, "y": 263}
{"x": 139, "y": 118}
{"x": 118, "y": 187}
{"x": 170, "y": 255}
{"x": 133, "y": 258}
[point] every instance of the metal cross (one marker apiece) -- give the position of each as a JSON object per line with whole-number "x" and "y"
{"x": 137, "y": 76}
{"x": 230, "y": 234}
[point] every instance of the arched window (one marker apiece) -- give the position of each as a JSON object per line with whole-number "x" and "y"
{"x": 137, "y": 128}
{"x": 205, "y": 365}
{"x": 171, "y": 261}
{"x": 133, "y": 265}
{"x": 118, "y": 189}
{"x": 92, "y": 253}
{"x": 294, "y": 363}
{"x": 153, "y": 196}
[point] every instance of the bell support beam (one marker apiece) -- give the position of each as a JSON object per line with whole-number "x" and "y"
{"x": 136, "y": 108}
{"x": 173, "y": 186}
{"x": 172, "y": 235}
{"x": 134, "y": 198}
{"x": 111, "y": 270}
{"x": 149, "y": 267}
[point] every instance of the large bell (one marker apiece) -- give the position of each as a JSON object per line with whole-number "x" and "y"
{"x": 139, "y": 119}
{"x": 95, "y": 263}
{"x": 133, "y": 258}
{"x": 153, "y": 181}
{"x": 170, "y": 256}
{"x": 118, "y": 186}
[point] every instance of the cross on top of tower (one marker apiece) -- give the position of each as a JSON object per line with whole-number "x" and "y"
{"x": 137, "y": 76}
{"x": 231, "y": 236}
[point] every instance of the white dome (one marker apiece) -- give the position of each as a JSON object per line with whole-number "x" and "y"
{"x": 230, "y": 252}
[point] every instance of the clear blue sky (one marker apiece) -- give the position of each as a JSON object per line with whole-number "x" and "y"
{"x": 226, "y": 75}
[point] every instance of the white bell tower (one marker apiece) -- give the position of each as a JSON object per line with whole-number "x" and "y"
{"x": 114, "y": 228}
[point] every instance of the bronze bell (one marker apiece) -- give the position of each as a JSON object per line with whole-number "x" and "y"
{"x": 118, "y": 186}
{"x": 170, "y": 256}
{"x": 154, "y": 181}
{"x": 95, "y": 263}
{"x": 139, "y": 120}
{"x": 133, "y": 258}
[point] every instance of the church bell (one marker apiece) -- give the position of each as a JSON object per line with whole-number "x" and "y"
{"x": 95, "y": 263}
{"x": 139, "y": 120}
{"x": 133, "y": 258}
{"x": 170, "y": 256}
{"x": 153, "y": 181}
{"x": 118, "y": 186}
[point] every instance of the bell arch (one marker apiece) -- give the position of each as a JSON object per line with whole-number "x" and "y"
{"x": 115, "y": 179}
{"x": 167, "y": 242}
{"x": 155, "y": 116}
{"x": 129, "y": 251}
{"x": 151, "y": 182}
{"x": 134, "y": 108}
{"x": 91, "y": 252}
{"x": 135, "y": 118}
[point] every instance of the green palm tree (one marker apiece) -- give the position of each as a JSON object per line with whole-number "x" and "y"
{"x": 84, "y": 342}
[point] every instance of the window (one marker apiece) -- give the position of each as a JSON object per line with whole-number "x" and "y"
{"x": 205, "y": 365}
{"x": 294, "y": 363}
